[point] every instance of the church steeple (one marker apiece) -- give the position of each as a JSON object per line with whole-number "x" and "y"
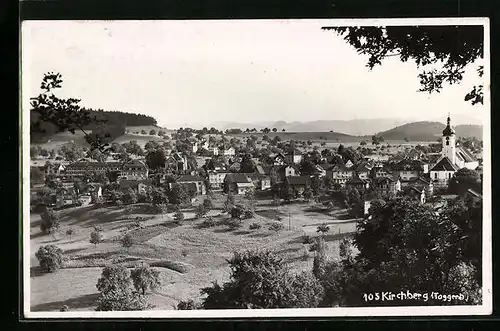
{"x": 449, "y": 144}
{"x": 448, "y": 131}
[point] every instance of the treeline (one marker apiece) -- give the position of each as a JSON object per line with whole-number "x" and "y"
{"x": 110, "y": 122}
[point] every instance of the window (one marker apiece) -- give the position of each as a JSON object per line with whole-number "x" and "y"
{"x": 435, "y": 175}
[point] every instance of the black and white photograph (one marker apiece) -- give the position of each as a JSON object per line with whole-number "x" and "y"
{"x": 256, "y": 168}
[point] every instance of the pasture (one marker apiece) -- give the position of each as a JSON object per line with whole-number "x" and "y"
{"x": 189, "y": 255}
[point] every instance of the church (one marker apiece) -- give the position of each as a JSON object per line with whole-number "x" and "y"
{"x": 453, "y": 157}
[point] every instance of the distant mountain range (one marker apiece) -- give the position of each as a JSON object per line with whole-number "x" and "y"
{"x": 356, "y": 127}
{"x": 393, "y": 129}
{"x": 428, "y": 131}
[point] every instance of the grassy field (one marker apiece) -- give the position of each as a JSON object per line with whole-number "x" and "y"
{"x": 189, "y": 256}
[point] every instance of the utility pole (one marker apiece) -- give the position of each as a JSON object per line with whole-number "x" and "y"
{"x": 289, "y": 222}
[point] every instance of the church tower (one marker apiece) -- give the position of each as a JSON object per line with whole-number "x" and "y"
{"x": 449, "y": 143}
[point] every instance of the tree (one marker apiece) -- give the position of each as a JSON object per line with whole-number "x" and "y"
{"x": 200, "y": 211}
{"x": 274, "y": 129}
{"x": 362, "y": 143}
{"x": 406, "y": 245}
{"x": 323, "y": 228}
{"x": 71, "y": 152}
{"x": 70, "y": 232}
{"x": 307, "y": 194}
{"x": 152, "y": 133}
{"x": 50, "y": 257}
{"x": 50, "y": 113}
{"x": 97, "y": 155}
{"x": 143, "y": 131}
{"x": 179, "y": 216}
{"x": 179, "y": 194}
{"x": 127, "y": 241}
{"x": 262, "y": 280}
{"x": 320, "y": 258}
{"x": 145, "y": 278}
{"x": 377, "y": 139}
{"x": 129, "y": 196}
{"x": 453, "y": 47}
{"x": 463, "y": 180}
{"x": 117, "y": 294}
{"x": 247, "y": 164}
{"x": 50, "y": 221}
{"x": 95, "y": 237}
{"x": 152, "y": 144}
{"x": 229, "y": 203}
{"x": 156, "y": 159}
{"x": 132, "y": 147}
{"x": 208, "y": 204}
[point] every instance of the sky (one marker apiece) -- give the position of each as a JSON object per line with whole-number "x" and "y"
{"x": 200, "y": 72}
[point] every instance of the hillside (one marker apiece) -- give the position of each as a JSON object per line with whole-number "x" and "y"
{"x": 429, "y": 131}
{"x": 356, "y": 127}
{"x": 115, "y": 123}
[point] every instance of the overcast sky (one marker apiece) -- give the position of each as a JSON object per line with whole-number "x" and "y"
{"x": 200, "y": 72}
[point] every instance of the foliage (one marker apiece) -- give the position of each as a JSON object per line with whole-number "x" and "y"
{"x": 156, "y": 159}
{"x": 179, "y": 216}
{"x": 179, "y": 194}
{"x": 254, "y": 226}
{"x": 157, "y": 196}
{"x": 208, "y": 204}
{"x": 188, "y": 305}
{"x": 127, "y": 241}
{"x": 200, "y": 211}
{"x": 115, "y": 285}
{"x": 323, "y": 228}
{"x": 463, "y": 180}
{"x": 129, "y": 196}
{"x": 209, "y": 222}
{"x": 50, "y": 257}
{"x": 229, "y": 203}
{"x": 453, "y": 47}
{"x": 377, "y": 139}
{"x": 95, "y": 237}
{"x": 262, "y": 280}
{"x": 71, "y": 151}
{"x": 49, "y": 221}
{"x": 276, "y": 226}
{"x": 145, "y": 278}
{"x": 320, "y": 258}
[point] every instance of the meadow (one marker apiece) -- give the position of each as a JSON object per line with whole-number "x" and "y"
{"x": 189, "y": 255}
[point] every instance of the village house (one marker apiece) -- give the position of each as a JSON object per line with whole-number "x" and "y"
{"x": 216, "y": 178}
{"x": 340, "y": 174}
{"x": 299, "y": 183}
{"x": 176, "y": 162}
{"x": 386, "y": 185}
{"x": 319, "y": 171}
{"x": 294, "y": 156}
{"x": 421, "y": 183}
{"x": 237, "y": 183}
{"x": 135, "y": 169}
{"x": 195, "y": 184}
{"x": 138, "y": 186}
{"x": 358, "y": 183}
{"x": 415, "y": 193}
{"x": 380, "y": 171}
{"x": 53, "y": 169}
{"x": 279, "y": 159}
{"x": 362, "y": 170}
{"x": 408, "y": 169}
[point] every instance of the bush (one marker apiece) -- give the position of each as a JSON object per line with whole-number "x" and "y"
{"x": 114, "y": 278}
{"x": 209, "y": 222}
{"x": 159, "y": 208}
{"x": 145, "y": 278}
{"x": 126, "y": 300}
{"x": 127, "y": 241}
{"x": 64, "y": 308}
{"x": 254, "y": 226}
{"x": 200, "y": 211}
{"x": 276, "y": 226}
{"x": 95, "y": 237}
{"x": 50, "y": 257}
{"x": 247, "y": 214}
{"x": 323, "y": 228}
{"x": 234, "y": 223}
{"x": 188, "y": 305}
{"x": 178, "y": 216}
{"x": 50, "y": 221}
{"x": 208, "y": 204}
{"x": 306, "y": 239}
{"x": 70, "y": 232}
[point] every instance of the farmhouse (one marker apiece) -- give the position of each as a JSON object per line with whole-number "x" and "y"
{"x": 237, "y": 183}
{"x": 196, "y": 184}
{"x": 176, "y": 162}
{"x": 216, "y": 178}
{"x": 138, "y": 186}
{"x": 362, "y": 170}
{"x": 340, "y": 174}
{"x": 299, "y": 183}
{"x": 387, "y": 185}
{"x": 358, "y": 183}
{"x": 293, "y": 157}
{"x": 408, "y": 169}
{"x": 279, "y": 159}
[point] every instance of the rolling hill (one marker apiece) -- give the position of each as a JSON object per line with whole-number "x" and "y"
{"x": 429, "y": 131}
